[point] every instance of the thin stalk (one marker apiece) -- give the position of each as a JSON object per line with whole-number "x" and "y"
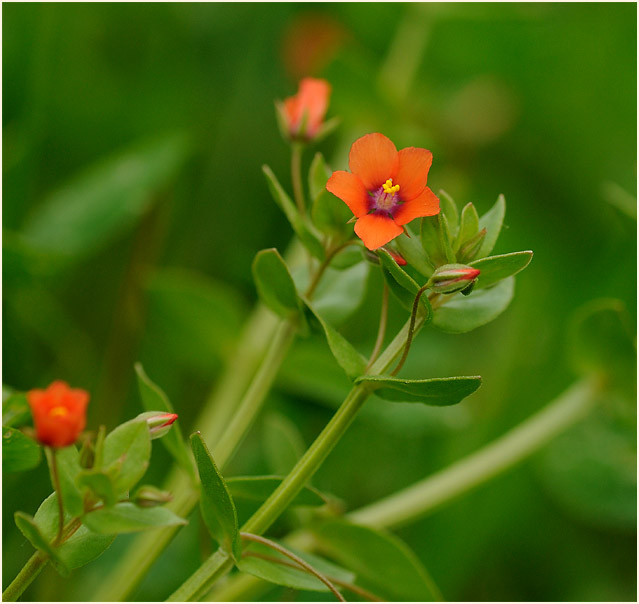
{"x": 381, "y": 331}
{"x": 25, "y": 577}
{"x": 411, "y": 330}
{"x": 296, "y": 177}
{"x": 55, "y": 479}
{"x": 298, "y": 561}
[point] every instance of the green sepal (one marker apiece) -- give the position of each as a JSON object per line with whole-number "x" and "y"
{"x": 260, "y": 488}
{"x": 439, "y": 392}
{"x": 274, "y": 283}
{"x": 290, "y": 576}
{"x": 68, "y": 463}
{"x": 15, "y": 409}
{"x": 401, "y": 284}
{"x": 216, "y": 503}
{"x": 492, "y": 221}
{"x": 100, "y": 483}
{"x": 154, "y": 399}
{"x": 379, "y": 558}
{"x": 495, "y": 268}
{"x": 299, "y": 225}
{"x": 468, "y": 226}
{"x": 446, "y": 239}
{"x": 19, "y": 452}
{"x": 282, "y": 443}
{"x": 462, "y": 314}
{"x": 448, "y": 208}
{"x": 29, "y": 528}
{"x": 127, "y": 451}
{"x": 127, "y": 517}
{"x": 414, "y": 254}
{"x": 349, "y": 359}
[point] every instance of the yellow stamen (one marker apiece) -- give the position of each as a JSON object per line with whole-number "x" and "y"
{"x": 389, "y": 188}
{"x": 58, "y": 412}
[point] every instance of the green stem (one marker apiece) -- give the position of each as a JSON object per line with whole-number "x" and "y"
{"x": 381, "y": 331}
{"x": 219, "y": 562}
{"x": 296, "y": 177}
{"x": 55, "y": 479}
{"x": 411, "y": 330}
{"x": 24, "y": 578}
{"x": 498, "y": 456}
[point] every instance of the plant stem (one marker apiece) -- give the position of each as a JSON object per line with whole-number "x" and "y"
{"x": 219, "y": 563}
{"x": 381, "y": 332}
{"x": 25, "y": 577}
{"x": 498, "y": 456}
{"x": 411, "y": 330}
{"x": 55, "y": 479}
{"x": 296, "y": 177}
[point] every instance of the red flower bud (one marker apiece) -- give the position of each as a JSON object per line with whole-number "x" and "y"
{"x": 159, "y": 423}
{"x": 304, "y": 112}
{"x": 59, "y": 413}
{"x": 451, "y": 278}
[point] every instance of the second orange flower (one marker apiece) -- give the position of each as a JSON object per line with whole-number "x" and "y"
{"x": 385, "y": 188}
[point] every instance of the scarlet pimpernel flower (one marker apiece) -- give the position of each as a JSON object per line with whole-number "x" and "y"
{"x": 385, "y": 188}
{"x": 304, "y": 112}
{"x": 59, "y": 413}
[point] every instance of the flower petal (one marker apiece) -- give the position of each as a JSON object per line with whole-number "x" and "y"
{"x": 412, "y": 173}
{"x": 374, "y": 159}
{"x": 427, "y": 204}
{"x": 376, "y": 230}
{"x": 351, "y": 191}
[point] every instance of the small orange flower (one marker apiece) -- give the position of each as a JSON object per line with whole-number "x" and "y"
{"x": 305, "y": 111}
{"x": 59, "y": 413}
{"x": 385, "y": 189}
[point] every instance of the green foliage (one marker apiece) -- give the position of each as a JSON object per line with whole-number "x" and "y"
{"x": 260, "y": 488}
{"x": 413, "y": 253}
{"x": 129, "y": 518}
{"x": 216, "y": 503}
{"x": 31, "y": 531}
{"x": 378, "y": 559}
{"x": 468, "y": 226}
{"x": 100, "y": 483}
{"x": 282, "y": 443}
{"x": 433, "y": 391}
{"x": 492, "y": 221}
{"x": 274, "y": 283}
{"x": 401, "y": 284}
{"x": 68, "y": 463}
{"x": 127, "y": 450}
{"x": 330, "y": 215}
{"x": 15, "y": 409}
{"x": 19, "y": 452}
{"x": 495, "y": 268}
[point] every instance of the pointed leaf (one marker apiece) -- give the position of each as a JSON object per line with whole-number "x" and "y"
{"x": 413, "y": 252}
{"x": 434, "y": 391}
{"x": 396, "y": 276}
{"x": 331, "y": 215}
{"x": 468, "y": 227}
{"x": 465, "y": 313}
{"x": 154, "y": 398}
{"x": 216, "y": 503}
{"x": 382, "y": 559}
{"x": 265, "y": 567}
{"x": 431, "y": 240}
{"x": 449, "y": 210}
{"x": 260, "y": 488}
{"x": 68, "y": 461}
{"x": 282, "y": 442}
{"x": 31, "y": 531}
{"x": 129, "y": 518}
{"x": 492, "y": 221}
{"x": 496, "y": 268}
{"x": 274, "y": 283}
{"x": 349, "y": 359}
{"x": 446, "y": 239}
{"x": 15, "y": 410}
{"x": 19, "y": 452}
{"x": 127, "y": 450}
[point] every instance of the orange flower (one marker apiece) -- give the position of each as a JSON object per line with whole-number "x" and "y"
{"x": 305, "y": 111}
{"x": 59, "y": 413}
{"x": 386, "y": 189}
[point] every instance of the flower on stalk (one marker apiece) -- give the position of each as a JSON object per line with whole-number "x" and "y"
{"x": 159, "y": 423}
{"x": 59, "y": 413}
{"x": 385, "y": 188}
{"x": 451, "y": 278}
{"x": 304, "y": 113}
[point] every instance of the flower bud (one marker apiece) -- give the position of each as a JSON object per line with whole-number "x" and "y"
{"x": 159, "y": 423}
{"x": 148, "y": 496}
{"x": 301, "y": 116}
{"x": 469, "y": 250}
{"x": 452, "y": 278}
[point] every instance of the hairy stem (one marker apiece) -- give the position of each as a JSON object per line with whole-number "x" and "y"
{"x": 25, "y": 577}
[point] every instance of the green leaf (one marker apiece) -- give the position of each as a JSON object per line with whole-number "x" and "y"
{"x": 129, "y": 518}
{"x": 492, "y": 221}
{"x": 68, "y": 461}
{"x": 79, "y": 549}
{"x": 31, "y": 531}
{"x": 496, "y": 268}
{"x": 216, "y": 503}
{"x": 380, "y": 558}
{"x": 469, "y": 225}
{"x": 601, "y": 340}
{"x": 19, "y": 452}
{"x": 349, "y": 359}
{"x": 465, "y": 313}
{"x": 108, "y": 198}
{"x": 15, "y": 410}
{"x": 301, "y": 228}
{"x": 413, "y": 252}
{"x": 100, "y": 483}
{"x": 433, "y": 391}
{"x": 347, "y": 258}
{"x": 283, "y": 574}
{"x": 274, "y": 283}
{"x": 446, "y": 239}
{"x": 431, "y": 241}
{"x": 448, "y": 208}
{"x": 396, "y": 276}
{"x": 127, "y": 450}
{"x": 318, "y": 175}
{"x": 282, "y": 442}
{"x": 331, "y": 215}
{"x": 154, "y": 398}
{"x": 260, "y": 488}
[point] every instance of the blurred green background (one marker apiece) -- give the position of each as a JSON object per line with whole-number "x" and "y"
{"x": 133, "y": 204}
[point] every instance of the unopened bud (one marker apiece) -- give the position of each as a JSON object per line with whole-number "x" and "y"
{"x": 395, "y": 256}
{"x": 148, "y": 496}
{"x": 469, "y": 250}
{"x": 159, "y": 423}
{"x": 452, "y": 278}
